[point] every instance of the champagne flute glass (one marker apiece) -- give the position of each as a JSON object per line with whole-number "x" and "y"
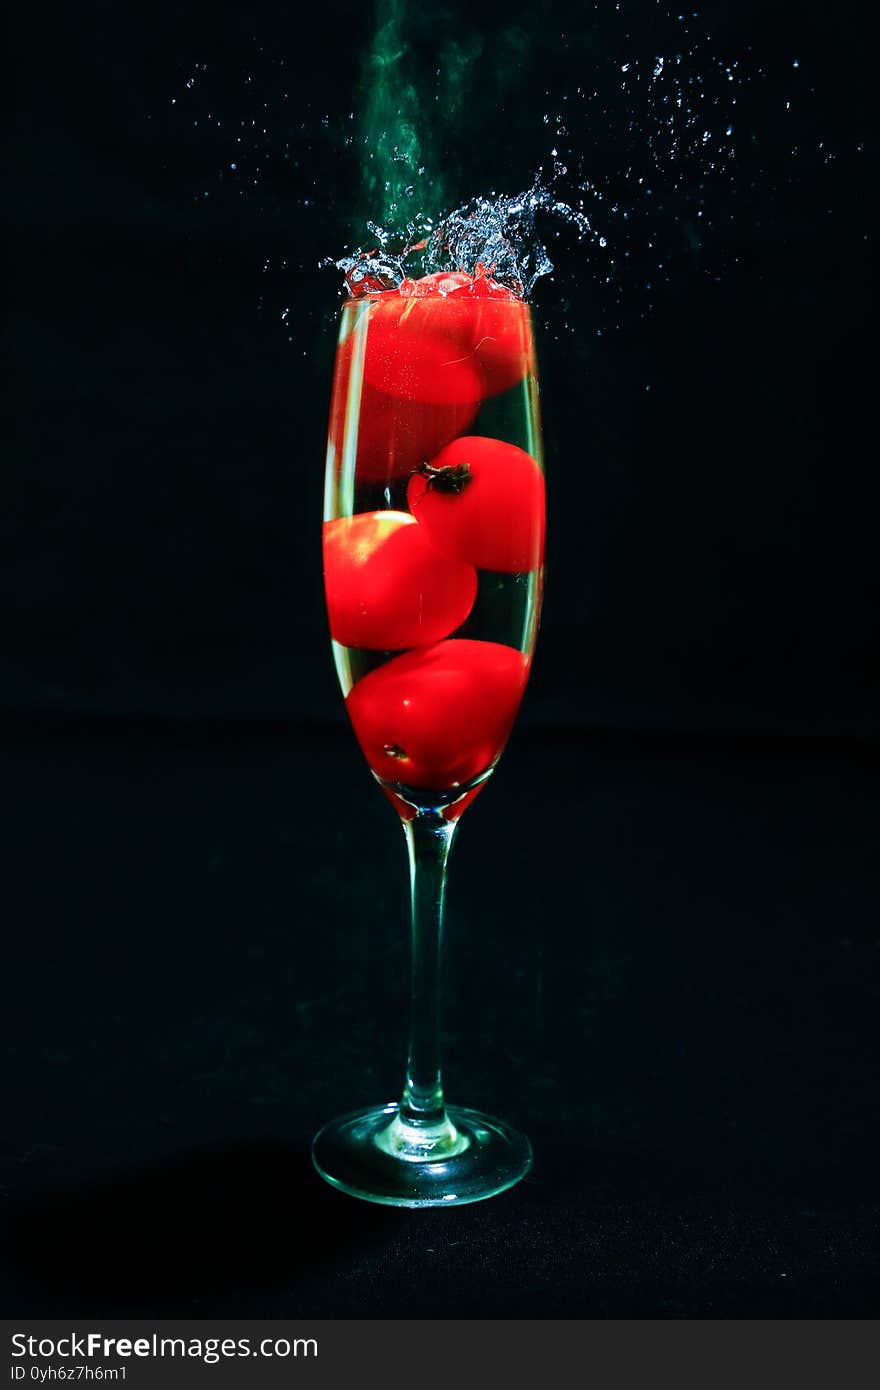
{"x": 433, "y": 566}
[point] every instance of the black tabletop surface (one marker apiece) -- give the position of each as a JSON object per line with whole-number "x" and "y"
{"x": 662, "y": 963}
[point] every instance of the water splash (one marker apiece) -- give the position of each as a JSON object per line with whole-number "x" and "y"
{"x": 629, "y": 201}
{"x": 500, "y": 234}
{"x": 668, "y": 113}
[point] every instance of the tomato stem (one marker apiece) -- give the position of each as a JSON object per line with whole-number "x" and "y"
{"x": 453, "y": 478}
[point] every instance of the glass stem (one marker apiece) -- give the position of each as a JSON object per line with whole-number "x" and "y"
{"x": 429, "y": 839}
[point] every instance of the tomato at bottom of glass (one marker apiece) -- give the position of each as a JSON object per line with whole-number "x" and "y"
{"x": 453, "y": 811}
{"x": 439, "y": 716}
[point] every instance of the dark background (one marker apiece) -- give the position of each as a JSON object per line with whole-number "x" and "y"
{"x": 664, "y": 934}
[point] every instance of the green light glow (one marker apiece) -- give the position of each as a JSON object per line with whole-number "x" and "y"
{"x": 423, "y": 78}
{"x": 390, "y": 117}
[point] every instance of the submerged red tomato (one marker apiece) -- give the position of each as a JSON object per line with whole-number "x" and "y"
{"x": 395, "y": 436}
{"x": 447, "y": 339}
{"x": 454, "y": 811}
{"x": 440, "y": 716}
{"x": 408, "y": 354}
{"x": 482, "y": 501}
{"x": 489, "y": 322}
{"x": 394, "y": 433}
{"x": 387, "y": 588}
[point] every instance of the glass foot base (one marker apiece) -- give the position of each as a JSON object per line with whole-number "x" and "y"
{"x": 375, "y": 1155}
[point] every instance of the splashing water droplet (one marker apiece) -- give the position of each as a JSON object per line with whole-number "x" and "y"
{"x": 495, "y": 235}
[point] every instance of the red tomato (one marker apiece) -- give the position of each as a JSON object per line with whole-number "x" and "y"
{"x": 393, "y": 435}
{"x": 439, "y": 716}
{"x": 457, "y": 808}
{"x": 447, "y": 339}
{"x": 404, "y": 809}
{"x": 490, "y": 324}
{"x": 454, "y": 811}
{"x": 409, "y": 355}
{"x": 442, "y": 282}
{"x": 482, "y": 501}
{"x": 387, "y": 588}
